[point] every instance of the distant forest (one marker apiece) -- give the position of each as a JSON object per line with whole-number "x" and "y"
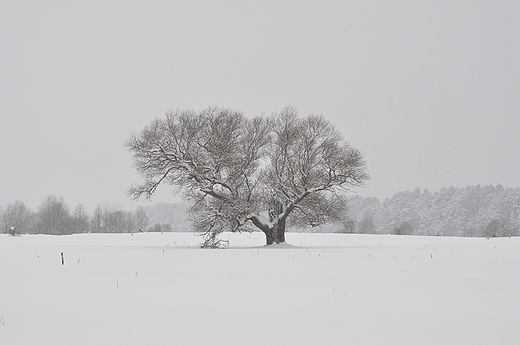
{"x": 489, "y": 211}
{"x": 55, "y": 218}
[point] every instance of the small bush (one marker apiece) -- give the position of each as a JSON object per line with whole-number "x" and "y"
{"x": 12, "y": 231}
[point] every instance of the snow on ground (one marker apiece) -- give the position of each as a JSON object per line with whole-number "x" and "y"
{"x": 326, "y": 289}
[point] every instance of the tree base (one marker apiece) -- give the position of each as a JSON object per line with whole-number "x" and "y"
{"x": 280, "y": 245}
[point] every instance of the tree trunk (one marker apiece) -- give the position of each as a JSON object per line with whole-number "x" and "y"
{"x": 281, "y": 231}
{"x": 275, "y": 234}
{"x": 269, "y": 237}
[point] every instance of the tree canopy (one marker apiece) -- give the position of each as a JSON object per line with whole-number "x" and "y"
{"x": 240, "y": 172}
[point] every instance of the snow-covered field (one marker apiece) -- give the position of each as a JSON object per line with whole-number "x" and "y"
{"x": 327, "y": 289}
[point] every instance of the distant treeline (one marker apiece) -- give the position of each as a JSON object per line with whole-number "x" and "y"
{"x": 54, "y": 217}
{"x": 489, "y": 211}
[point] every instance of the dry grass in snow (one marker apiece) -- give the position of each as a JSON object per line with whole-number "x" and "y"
{"x": 324, "y": 289}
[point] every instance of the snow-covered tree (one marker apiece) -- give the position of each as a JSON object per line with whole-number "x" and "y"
{"x": 470, "y": 211}
{"x": 242, "y": 172}
{"x": 364, "y": 213}
{"x": 19, "y": 217}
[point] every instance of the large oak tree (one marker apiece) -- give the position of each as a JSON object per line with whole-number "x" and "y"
{"x": 242, "y": 172}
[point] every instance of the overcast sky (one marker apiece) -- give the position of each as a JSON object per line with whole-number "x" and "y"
{"x": 428, "y": 90}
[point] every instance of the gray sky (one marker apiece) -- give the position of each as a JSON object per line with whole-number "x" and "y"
{"x": 428, "y": 90}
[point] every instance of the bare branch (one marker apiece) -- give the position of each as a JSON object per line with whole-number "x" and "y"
{"x": 236, "y": 169}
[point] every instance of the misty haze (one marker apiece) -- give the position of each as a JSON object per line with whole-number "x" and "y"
{"x": 266, "y": 172}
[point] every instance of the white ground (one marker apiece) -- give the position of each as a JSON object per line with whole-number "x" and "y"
{"x": 328, "y": 289}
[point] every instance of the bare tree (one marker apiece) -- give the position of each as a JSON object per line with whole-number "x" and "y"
{"x": 497, "y": 228}
{"x": 241, "y": 172}
{"x": 97, "y": 223}
{"x": 141, "y": 219}
{"x": 80, "y": 220}
{"x": 130, "y": 222}
{"x": 404, "y": 228}
{"x": 1, "y": 215}
{"x": 54, "y": 216}
{"x": 117, "y": 221}
{"x": 19, "y": 217}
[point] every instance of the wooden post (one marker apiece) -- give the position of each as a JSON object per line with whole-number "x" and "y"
{"x": 62, "y": 260}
